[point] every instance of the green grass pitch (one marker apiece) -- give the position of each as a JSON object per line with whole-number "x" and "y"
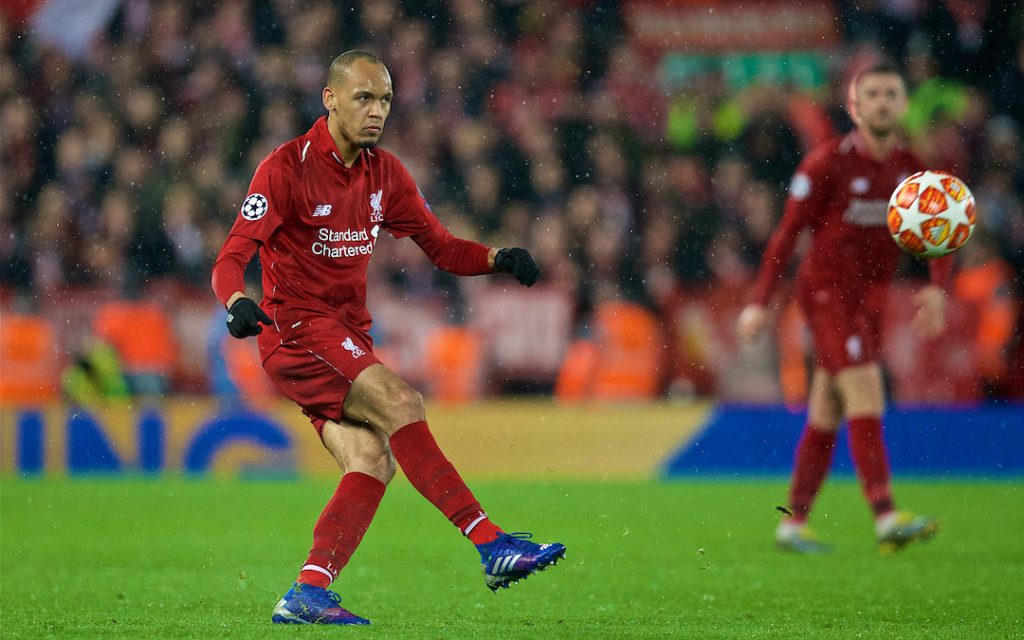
{"x": 172, "y": 558}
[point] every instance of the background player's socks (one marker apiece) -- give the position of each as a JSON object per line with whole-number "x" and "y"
{"x": 340, "y": 527}
{"x": 434, "y": 476}
{"x": 868, "y": 450}
{"x": 813, "y": 459}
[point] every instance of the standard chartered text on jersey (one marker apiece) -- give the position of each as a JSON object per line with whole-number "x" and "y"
{"x": 325, "y": 235}
{"x": 345, "y": 251}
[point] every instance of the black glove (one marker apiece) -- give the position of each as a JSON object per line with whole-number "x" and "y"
{"x": 244, "y": 318}
{"x": 519, "y": 263}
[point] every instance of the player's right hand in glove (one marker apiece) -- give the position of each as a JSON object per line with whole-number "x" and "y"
{"x": 244, "y": 318}
{"x": 519, "y": 263}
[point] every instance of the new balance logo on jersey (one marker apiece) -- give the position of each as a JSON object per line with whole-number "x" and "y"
{"x": 322, "y": 210}
{"x": 353, "y": 348}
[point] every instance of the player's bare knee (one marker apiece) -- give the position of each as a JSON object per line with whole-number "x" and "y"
{"x": 411, "y": 402}
{"x": 864, "y": 402}
{"x": 825, "y": 418}
{"x": 826, "y": 425}
{"x": 381, "y": 468}
{"x": 387, "y": 466}
{"x": 376, "y": 462}
{"x": 861, "y": 390}
{"x": 823, "y": 414}
{"x": 404, "y": 406}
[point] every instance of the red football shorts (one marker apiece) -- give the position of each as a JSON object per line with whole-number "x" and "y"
{"x": 845, "y": 324}
{"x": 316, "y": 366}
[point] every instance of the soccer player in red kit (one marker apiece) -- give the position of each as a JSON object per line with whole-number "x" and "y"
{"x": 840, "y": 192}
{"x": 315, "y": 208}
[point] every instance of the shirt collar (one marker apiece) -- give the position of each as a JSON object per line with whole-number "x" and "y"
{"x": 324, "y": 145}
{"x": 861, "y": 147}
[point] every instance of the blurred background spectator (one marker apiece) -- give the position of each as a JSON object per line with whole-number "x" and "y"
{"x": 642, "y": 166}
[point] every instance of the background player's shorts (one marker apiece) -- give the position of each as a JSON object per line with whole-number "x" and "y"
{"x": 316, "y": 365}
{"x": 845, "y": 324}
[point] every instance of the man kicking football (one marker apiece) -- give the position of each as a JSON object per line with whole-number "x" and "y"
{"x": 315, "y": 208}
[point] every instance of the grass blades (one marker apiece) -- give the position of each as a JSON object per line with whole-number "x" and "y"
{"x": 176, "y": 558}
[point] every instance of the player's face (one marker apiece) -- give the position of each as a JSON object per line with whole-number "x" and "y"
{"x": 881, "y": 100}
{"x": 361, "y": 102}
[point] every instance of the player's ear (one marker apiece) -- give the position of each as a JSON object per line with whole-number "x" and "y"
{"x": 851, "y": 102}
{"x": 328, "y": 98}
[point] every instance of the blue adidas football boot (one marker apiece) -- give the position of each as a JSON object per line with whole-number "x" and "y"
{"x": 309, "y": 604}
{"x": 511, "y": 557}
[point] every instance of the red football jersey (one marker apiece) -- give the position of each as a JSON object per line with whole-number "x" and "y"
{"x": 841, "y": 193}
{"x": 316, "y": 223}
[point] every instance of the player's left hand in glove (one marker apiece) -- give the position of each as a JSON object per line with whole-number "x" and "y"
{"x": 519, "y": 263}
{"x": 244, "y": 318}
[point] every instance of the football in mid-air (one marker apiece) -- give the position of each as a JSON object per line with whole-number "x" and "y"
{"x": 931, "y": 214}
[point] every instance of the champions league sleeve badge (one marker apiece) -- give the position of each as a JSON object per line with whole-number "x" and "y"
{"x": 254, "y": 207}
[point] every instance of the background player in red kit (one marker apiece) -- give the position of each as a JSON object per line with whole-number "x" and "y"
{"x": 314, "y": 211}
{"x": 840, "y": 192}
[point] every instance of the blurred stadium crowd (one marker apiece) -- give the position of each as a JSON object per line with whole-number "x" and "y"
{"x": 534, "y": 123}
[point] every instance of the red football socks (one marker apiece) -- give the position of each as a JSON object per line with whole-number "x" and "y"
{"x": 340, "y": 527}
{"x": 813, "y": 459}
{"x": 434, "y": 476}
{"x": 868, "y": 450}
